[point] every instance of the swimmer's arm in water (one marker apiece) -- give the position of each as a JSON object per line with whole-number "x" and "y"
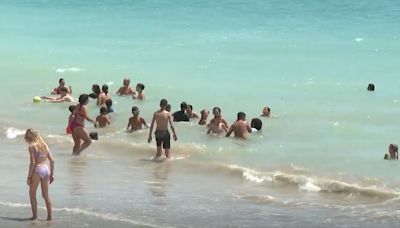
{"x": 151, "y": 128}
{"x": 225, "y": 125}
{"x": 248, "y": 128}
{"x": 31, "y": 163}
{"x": 172, "y": 128}
{"x": 228, "y": 134}
{"x": 144, "y": 123}
{"x": 51, "y": 159}
{"x": 85, "y": 114}
{"x": 108, "y": 120}
{"x": 129, "y": 124}
{"x": 209, "y": 127}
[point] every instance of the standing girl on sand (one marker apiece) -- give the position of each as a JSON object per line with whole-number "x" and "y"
{"x": 39, "y": 171}
{"x": 77, "y": 125}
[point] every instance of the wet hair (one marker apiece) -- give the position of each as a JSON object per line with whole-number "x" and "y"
{"x": 256, "y": 123}
{"x": 140, "y": 85}
{"x": 104, "y": 88}
{"x": 103, "y": 110}
{"x": 241, "y": 115}
{"x": 109, "y": 102}
{"x": 83, "y": 98}
{"x": 183, "y": 106}
{"x": 60, "y": 80}
{"x": 168, "y": 107}
{"x": 190, "y": 106}
{"x": 71, "y": 108}
{"x": 64, "y": 89}
{"x": 163, "y": 102}
{"x": 96, "y": 89}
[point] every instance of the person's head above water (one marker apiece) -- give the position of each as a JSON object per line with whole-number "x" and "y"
{"x": 266, "y": 111}
{"x": 168, "y": 108}
{"x": 61, "y": 81}
{"x": 104, "y": 88}
{"x": 216, "y": 111}
{"x": 83, "y": 99}
{"x": 183, "y": 106}
{"x": 256, "y": 123}
{"x": 126, "y": 82}
{"x": 103, "y": 110}
{"x": 71, "y": 108}
{"x": 241, "y": 116}
{"x": 135, "y": 110}
{"x": 96, "y": 89}
{"x": 139, "y": 87}
{"x": 163, "y": 103}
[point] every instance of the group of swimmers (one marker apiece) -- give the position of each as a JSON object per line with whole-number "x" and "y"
{"x": 217, "y": 125}
{"x": 40, "y": 172}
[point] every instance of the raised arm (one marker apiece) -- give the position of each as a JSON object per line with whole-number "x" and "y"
{"x": 151, "y": 128}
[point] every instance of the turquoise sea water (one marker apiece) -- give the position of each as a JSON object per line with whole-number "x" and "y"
{"x": 318, "y": 161}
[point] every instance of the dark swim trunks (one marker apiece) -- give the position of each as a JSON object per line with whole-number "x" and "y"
{"x": 163, "y": 137}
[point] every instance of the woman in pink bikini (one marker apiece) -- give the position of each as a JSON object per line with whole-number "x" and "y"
{"x": 77, "y": 125}
{"x": 39, "y": 171}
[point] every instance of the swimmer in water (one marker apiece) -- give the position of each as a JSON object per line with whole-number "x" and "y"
{"x": 64, "y": 97}
{"x": 217, "y": 124}
{"x": 135, "y": 122}
{"x": 125, "y": 89}
{"x": 240, "y": 128}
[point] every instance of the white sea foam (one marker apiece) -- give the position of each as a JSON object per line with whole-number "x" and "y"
{"x": 359, "y": 39}
{"x": 12, "y": 133}
{"x": 71, "y": 69}
{"x": 104, "y": 216}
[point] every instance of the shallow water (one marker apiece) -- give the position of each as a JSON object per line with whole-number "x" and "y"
{"x": 317, "y": 162}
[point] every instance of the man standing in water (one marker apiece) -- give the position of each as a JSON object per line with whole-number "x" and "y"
{"x": 240, "y": 128}
{"x": 162, "y": 117}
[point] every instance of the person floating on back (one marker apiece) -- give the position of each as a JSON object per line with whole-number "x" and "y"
{"x": 103, "y": 119}
{"x": 162, "y": 118}
{"x": 64, "y": 97}
{"x": 240, "y": 128}
{"x": 181, "y": 115}
{"x": 135, "y": 122}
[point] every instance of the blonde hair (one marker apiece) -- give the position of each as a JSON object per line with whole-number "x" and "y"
{"x": 33, "y": 138}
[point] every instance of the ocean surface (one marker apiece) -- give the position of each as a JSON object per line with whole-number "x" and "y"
{"x": 318, "y": 161}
